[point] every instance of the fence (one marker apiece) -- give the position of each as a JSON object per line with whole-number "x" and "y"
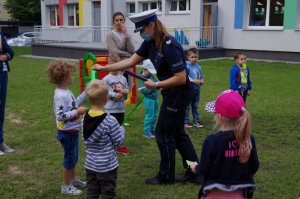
{"x": 203, "y": 37}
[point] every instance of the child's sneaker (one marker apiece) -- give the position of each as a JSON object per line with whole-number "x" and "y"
{"x": 1, "y": 153}
{"x": 187, "y": 125}
{"x": 78, "y": 183}
{"x": 148, "y": 134}
{"x": 70, "y": 190}
{"x": 153, "y": 133}
{"x": 123, "y": 150}
{"x": 198, "y": 125}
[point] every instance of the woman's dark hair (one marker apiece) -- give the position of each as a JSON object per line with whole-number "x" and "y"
{"x": 118, "y": 14}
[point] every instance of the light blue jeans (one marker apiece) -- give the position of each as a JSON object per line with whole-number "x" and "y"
{"x": 151, "y": 108}
{"x": 194, "y": 104}
{"x": 3, "y": 92}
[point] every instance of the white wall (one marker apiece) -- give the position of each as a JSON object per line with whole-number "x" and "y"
{"x": 180, "y": 20}
{"x": 183, "y": 20}
{"x": 267, "y": 40}
{"x": 43, "y": 13}
{"x": 88, "y": 14}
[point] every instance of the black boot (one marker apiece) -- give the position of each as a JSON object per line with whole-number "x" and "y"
{"x": 156, "y": 181}
{"x": 189, "y": 176}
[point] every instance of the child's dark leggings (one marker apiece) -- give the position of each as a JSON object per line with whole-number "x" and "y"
{"x": 244, "y": 95}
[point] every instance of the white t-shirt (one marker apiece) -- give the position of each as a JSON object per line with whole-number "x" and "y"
{"x": 120, "y": 35}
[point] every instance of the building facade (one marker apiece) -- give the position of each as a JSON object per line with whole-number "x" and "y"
{"x": 174, "y": 13}
{"x": 269, "y": 28}
{"x": 260, "y": 25}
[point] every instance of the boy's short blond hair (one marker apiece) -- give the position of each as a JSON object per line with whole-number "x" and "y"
{"x": 59, "y": 70}
{"x": 97, "y": 92}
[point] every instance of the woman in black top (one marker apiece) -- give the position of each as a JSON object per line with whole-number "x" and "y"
{"x": 168, "y": 58}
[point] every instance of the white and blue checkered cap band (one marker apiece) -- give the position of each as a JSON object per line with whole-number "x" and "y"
{"x": 211, "y": 106}
{"x": 145, "y": 21}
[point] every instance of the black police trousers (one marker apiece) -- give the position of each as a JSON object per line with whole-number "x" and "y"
{"x": 170, "y": 134}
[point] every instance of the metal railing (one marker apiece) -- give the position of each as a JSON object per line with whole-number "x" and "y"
{"x": 203, "y": 37}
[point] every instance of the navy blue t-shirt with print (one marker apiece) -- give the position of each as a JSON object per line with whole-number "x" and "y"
{"x": 168, "y": 62}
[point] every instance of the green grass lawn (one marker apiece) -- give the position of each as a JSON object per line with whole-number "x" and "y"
{"x": 34, "y": 170}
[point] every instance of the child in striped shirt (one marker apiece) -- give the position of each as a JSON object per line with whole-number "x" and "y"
{"x": 102, "y": 134}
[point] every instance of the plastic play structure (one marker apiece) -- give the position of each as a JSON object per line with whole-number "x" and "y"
{"x": 87, "y": 74}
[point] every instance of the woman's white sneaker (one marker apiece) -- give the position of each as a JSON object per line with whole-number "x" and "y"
{"x": 6, "y": 149}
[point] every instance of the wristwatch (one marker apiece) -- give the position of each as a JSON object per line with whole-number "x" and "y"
{"x": 157, "y": 84}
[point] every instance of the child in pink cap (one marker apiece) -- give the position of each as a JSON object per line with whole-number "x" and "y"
{"x": 229, "y": 159}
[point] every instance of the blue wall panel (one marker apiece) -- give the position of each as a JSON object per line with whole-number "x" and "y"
{"x": 238, "y": 14}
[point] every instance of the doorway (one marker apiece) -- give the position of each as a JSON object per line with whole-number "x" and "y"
{"x": 210, "y": 22}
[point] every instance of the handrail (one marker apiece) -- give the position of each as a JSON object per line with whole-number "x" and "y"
{"x": 202, "y": 37}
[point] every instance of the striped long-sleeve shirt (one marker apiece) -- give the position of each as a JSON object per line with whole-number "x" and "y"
{"x": 102, "y": 134}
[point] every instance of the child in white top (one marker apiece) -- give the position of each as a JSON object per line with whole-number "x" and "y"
{"x": 67, "y": 112}
{"x": 117, "y": 93}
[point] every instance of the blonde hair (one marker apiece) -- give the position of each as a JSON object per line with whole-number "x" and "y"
{"x": 113, "y": 58}
{"x": 160, "y": 32}
{"x": 59, "y": 70}
{"x": 242, "y": 130}
{"x": 97, "y": 92}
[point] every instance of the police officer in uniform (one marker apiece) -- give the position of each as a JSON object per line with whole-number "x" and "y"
{"x": 168, "y": 58}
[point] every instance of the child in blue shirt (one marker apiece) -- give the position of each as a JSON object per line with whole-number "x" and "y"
{"x": 195, "y": 75}
{"x": 67, "y": 112}
{"x": 240, "y": 76}
{"x": 150, "y": 99}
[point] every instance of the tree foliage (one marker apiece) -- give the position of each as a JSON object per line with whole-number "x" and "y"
{"x": 24, "y": 10}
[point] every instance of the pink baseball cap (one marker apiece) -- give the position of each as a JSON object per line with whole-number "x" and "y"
{"x": 228, "y": 104}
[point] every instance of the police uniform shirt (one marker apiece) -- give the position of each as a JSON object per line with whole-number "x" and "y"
{"x": 170, "y": 61}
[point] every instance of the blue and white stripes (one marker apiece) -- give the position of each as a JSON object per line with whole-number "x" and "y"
{"x": 100, "y": 146}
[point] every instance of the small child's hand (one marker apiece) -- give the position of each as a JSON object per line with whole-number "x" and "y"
{"x": 118, "y": 96}
{"x": 249, "y": 92}
{"x": 124, "y": 92}
{"x": 201, "y": 82}
{"x": 81, "y": 110}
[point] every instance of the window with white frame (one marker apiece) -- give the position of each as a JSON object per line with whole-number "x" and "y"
{"x": 131, "y": 8}
{"x": 54, "y": 15}
{"x": 73, "y": 15}
{"x": 179, "y": 5}
{"x": 151, "y": 5}
{"x": 266, "y": 13}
